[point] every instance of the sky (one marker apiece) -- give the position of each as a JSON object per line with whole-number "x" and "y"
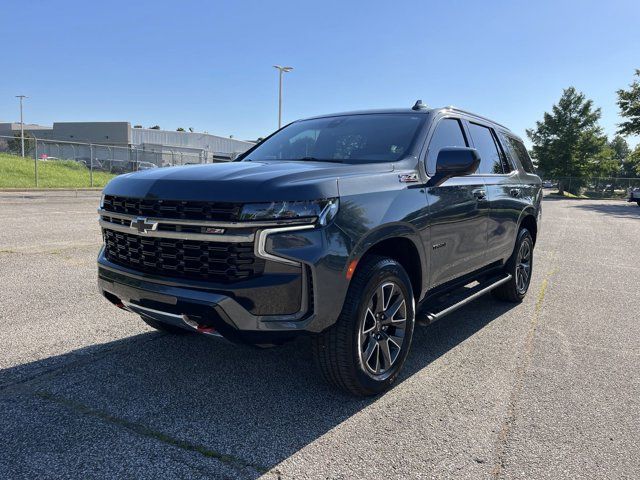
{"x": 209, "y": 65}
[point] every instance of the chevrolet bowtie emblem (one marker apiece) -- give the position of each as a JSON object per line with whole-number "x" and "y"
{"x": 143, "y": 225}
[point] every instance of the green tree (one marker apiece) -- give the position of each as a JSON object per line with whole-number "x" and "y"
{"x": 620, "y": 148}
{"x": 137, "y": 126}
{"x": 628, "y": 159}
{"x": 631, "y": 166}
{"x": 155, "y": 127}
{"x": 568, "y": 140}
{"x": 179, "y": 129}
{"x": 604, "y": 163}
{"x": 15, "y": 144}
{"x": 629, "y": 103}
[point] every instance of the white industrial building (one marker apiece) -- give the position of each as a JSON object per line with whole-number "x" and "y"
{"x": 118, "y": 141}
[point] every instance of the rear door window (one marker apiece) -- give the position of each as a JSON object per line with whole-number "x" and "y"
{"x": 484, "y": 141}
{"x": 448, "y": 133}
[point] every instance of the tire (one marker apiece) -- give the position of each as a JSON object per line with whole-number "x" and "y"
{"x": 368, "y": 335}
{"x": 517, "y": 267}
{"x": 164, "y": 327}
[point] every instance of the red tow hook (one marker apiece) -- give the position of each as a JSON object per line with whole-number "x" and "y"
{"x": 120, "y": 305}
{"x": 205, "y": 329}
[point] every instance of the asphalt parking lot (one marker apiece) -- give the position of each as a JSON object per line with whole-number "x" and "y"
{"x": 546, "y": 389}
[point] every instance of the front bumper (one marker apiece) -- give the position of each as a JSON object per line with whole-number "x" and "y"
{"x": 231, "y": 309}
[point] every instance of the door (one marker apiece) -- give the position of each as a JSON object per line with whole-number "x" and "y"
{"x": 504, "y": 191}
{"x": 458, "y": 212}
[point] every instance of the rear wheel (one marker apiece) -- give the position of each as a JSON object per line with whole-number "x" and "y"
{"x": 164, "y": 327}
{"x": 520, "y": 266}
{"x": 364, "y": 351}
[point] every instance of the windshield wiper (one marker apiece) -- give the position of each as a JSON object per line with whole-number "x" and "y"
{"x": 314, "y": 159}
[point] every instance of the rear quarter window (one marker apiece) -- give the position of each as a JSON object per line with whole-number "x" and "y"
{"x": 520, "y": 153}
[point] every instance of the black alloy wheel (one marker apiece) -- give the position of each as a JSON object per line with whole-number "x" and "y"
{"x": 382, "y": 330}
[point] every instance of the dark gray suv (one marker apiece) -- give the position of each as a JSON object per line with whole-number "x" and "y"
{"x": 347, "y": 227}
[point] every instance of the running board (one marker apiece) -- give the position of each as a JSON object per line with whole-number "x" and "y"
{"x": 451, "y": 302}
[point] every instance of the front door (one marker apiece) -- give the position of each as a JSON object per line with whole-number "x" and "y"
{"x": 458, "y": 212}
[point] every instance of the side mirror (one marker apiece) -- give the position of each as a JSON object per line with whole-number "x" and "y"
{"x": 455, "y": 162}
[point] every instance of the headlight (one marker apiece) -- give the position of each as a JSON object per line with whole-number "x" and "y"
{"x": 317, "y": 210}
{"x": 102, "y": 201}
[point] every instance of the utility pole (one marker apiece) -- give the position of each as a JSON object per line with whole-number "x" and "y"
{"x": 281, "y": 70}
{"x": 21, "y": 97}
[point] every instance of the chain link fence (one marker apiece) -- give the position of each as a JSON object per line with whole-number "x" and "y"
{"x": 593, "y": 187}
{"x": 83, "y": 164}
{"x": 61, "y": 163}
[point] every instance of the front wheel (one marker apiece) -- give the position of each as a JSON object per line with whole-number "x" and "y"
{"x": 364, "y": 351}
{"x": 520, "y": 266}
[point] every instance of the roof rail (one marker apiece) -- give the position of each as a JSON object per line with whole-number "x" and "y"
{"x": 460, "y": 110}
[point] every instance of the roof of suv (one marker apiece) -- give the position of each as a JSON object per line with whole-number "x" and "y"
{"x": 422, "y": 111}
{"x": 373, "y": 112}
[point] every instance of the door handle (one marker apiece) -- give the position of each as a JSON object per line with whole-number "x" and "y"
{"x": 480, "y": 194}
{"x": 514, "y": 192}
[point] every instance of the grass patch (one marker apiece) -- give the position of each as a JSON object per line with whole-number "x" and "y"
{"x": 18, "y": 172}
{"x": 607, "y": 194}
{"x": 617, "y": 195}
{"x": 566, "y": 195}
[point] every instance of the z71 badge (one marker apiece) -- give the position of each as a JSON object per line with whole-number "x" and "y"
{"x": 213, "y": 230}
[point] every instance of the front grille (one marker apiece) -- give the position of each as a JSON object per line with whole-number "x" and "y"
{"x": 217, "y": 262}
{"x": 176, "y": 209}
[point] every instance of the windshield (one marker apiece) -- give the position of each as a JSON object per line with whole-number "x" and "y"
{"x": 349, "y": 139}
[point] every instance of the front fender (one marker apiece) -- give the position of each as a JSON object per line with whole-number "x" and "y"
{"x": 391, "y": 212}
{"x": 387, "y": 232}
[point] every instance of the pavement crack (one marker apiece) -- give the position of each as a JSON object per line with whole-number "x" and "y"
{"x": 148, "y": 432}
{"x": 77, "y": 360}
{"x": 516, "y": 391}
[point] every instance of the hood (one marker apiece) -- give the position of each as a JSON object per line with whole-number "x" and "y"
{"x": 241, "y": 181}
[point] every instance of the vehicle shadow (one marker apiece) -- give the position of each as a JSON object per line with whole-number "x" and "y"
{"x": 612, "y": 208}
{"x": 259, "y": 406}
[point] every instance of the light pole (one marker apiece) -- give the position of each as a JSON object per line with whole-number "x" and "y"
{"x": 21, "y": 97}
{"x": 281, "y": 70}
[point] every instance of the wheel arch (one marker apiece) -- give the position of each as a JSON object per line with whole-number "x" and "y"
{"x": 528, "y": 220}
{"x": 401, "y": 244}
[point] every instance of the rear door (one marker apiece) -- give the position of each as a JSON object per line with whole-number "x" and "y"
{"x": 529, "y": 193}
{"x": 458, "y": 211}
{"x": 503, "y": 188}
